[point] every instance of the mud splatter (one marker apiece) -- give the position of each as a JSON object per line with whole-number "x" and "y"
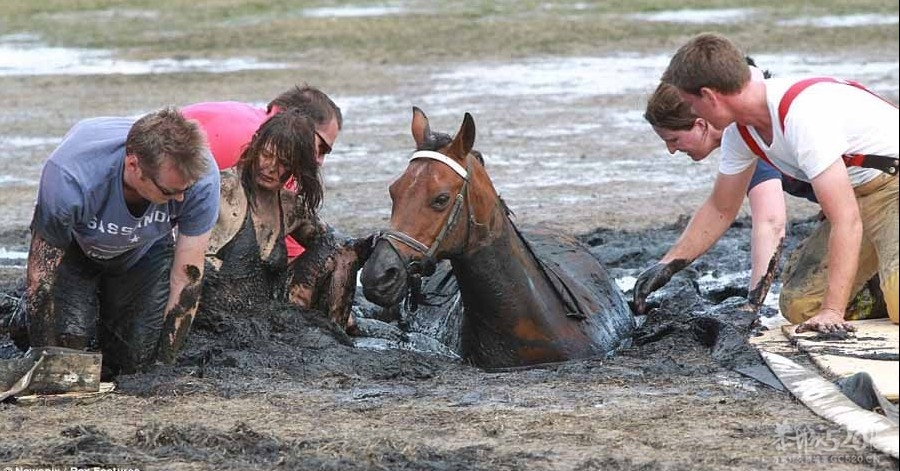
{"x": 759, "y": 292}
{"x": 179, "y": 319}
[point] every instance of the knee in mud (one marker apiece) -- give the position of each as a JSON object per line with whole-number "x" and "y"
{"x": 74, "y": 341}
{"x": 797, "y": 310}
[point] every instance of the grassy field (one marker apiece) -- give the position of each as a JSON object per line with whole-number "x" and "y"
{"x": 426, "y": 31}
{"x": 376, "y": 55}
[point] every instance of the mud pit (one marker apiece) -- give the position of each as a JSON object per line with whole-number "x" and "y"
{"x": 558, "y": 93}
{"x": 278, "y": 388}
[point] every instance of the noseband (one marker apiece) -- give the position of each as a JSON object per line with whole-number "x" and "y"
{"x": 426, "y": 265}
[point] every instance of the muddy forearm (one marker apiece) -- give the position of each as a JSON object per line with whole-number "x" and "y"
{"x": 760, "y": 288}
{"x": 41, "y": 276}
{"x": 299, "y": 223}
{"x": 184, "y": 295}
{"x": 308, "y": 231}
{"x": 180, "y": 315}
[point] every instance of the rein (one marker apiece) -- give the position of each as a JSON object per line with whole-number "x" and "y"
{"x": 427, "y": 264}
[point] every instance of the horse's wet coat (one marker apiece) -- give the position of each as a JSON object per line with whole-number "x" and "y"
{"x": 528, "y": 300}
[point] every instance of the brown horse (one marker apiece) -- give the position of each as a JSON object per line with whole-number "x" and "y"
{"x": 520, "y": 308}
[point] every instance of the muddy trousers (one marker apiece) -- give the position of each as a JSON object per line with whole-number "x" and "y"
{"x": 805, "y": 276}
{"x": 88, "y": 306}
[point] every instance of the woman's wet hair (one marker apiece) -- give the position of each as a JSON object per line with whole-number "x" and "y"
{"x": 752, "y": 63}
{"x": 290, "y": 137}
{"x": 665, "y": 109}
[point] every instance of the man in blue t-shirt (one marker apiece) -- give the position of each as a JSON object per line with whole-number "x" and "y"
{"x": 120, "y": 228}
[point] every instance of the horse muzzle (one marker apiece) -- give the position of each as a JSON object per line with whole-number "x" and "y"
{"x": 384, "y": 277}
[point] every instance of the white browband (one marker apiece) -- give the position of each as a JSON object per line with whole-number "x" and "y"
{"x": 430, "y": 154}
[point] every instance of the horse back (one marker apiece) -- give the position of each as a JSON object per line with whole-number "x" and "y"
{"x": 584, "y": 286}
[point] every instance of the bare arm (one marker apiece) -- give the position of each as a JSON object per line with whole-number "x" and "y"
{"x": 767, "y": 211}
{"x": 712, "y": 219}
{"x": 185, "y": 283}
{"x": 835, "y": 195}
{"x": 709, "y": 222}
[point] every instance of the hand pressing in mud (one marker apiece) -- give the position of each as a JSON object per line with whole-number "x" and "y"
{"x": 308, "y": 231}
{"x": 827, "y": 321}
{"x": 324, "y": 277}
{"x": 653, "y": 279}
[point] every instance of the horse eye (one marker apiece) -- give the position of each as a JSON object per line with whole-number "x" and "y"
{"x": 440, "y": 201}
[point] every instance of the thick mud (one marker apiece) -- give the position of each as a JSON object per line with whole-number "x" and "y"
{"x": 284, "y": 388}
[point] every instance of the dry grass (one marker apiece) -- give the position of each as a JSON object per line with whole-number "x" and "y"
{"x": 428, "y": 31}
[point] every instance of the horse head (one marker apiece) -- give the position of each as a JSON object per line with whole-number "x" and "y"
{"x": 528, "y": 298}
{"x": 440, "y": 204}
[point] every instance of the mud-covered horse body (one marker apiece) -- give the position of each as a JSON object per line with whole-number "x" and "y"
{"x": 518, "y": 310}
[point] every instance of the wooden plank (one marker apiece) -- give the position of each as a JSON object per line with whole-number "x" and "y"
{"x": 884, "y": 373}
{"x": 874, "y": 349}
{"x": 773, "y": 340}
{"x": 64, "y": 370}
{"x": 66, "y": 398}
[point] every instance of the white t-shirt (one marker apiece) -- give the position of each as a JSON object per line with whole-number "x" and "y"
{"x": 825, "y": 121}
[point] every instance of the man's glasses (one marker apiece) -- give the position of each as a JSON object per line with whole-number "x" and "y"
{"x": 324, "y": 147}
{"x": 166, "y": 191}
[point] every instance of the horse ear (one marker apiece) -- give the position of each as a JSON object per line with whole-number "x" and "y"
{"x": 420, "y": 128}
{"x": 465, "y": 139}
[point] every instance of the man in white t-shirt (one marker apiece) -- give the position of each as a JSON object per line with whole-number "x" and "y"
{"x": 806, "y": 129}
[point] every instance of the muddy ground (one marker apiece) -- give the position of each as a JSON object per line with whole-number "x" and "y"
{"x": 282, "y": 390}
{"x": 278, "y": 389}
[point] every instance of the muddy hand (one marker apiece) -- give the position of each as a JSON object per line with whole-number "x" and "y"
{"x": 653, "y": 279}
{"x": 361, "y": 248}
{"x": 827, "y": 321}
{"x": 308, "y": 232}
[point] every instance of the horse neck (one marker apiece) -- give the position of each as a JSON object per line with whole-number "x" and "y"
{"x": 499, "y": 276}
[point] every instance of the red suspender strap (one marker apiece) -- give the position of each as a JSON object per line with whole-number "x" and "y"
{"x": 798, "y": 87}
{"x": 885, "y": 164}
{"x": 752, "y": 145}
{"x": 795, "y": 90}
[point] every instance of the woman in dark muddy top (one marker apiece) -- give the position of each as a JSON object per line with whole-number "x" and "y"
{"x": 247, "y": 259}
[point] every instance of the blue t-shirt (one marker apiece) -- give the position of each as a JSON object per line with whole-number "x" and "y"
{"x": 81, "y": 197}
{"x": 792, "y": 186}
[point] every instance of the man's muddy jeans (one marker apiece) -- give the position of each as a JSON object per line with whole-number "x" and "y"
{"x": 122, "y": 312}
{"x": 805, "y": 274}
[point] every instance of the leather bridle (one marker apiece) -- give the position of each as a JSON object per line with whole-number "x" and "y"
{"x": 425, "y": 266}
